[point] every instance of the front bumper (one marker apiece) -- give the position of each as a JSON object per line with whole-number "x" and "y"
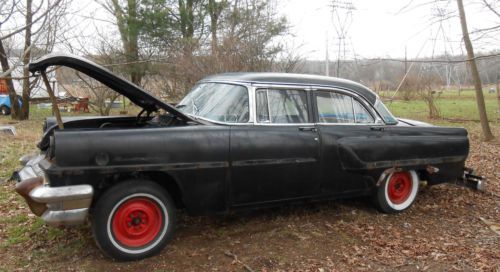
{"x": 57, "y": 206}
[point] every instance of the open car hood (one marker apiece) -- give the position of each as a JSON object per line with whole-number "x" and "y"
{"x": 133, "y": 92}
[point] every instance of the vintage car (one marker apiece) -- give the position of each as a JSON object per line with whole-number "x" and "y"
{"x": 236, "y": 141}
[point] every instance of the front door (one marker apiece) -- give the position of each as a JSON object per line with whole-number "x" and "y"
{"x": 277, "y": 158}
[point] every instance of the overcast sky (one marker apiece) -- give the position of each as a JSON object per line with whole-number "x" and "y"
{"x": 383, "y": 28}
{"x": 377, "y": 28}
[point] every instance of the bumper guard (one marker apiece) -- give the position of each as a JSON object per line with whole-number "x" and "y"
{"x": 57, "y": 206}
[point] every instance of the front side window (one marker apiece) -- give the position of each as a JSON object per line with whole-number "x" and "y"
{"x": 217, "y": 101}
{"x": 281, "y": 106}
{"x": 339, "y": 108}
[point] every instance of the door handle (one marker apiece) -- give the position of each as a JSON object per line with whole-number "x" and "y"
{"x": 377, "y": 128}
{"x": 312, "y": 129}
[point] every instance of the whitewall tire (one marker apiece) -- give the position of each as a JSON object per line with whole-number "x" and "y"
{"x": 398, "y": 192}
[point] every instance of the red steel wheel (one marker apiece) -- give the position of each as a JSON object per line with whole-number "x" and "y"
{"x": 137, "y": 222}
{"x": 399, "y": 187}
{"x": 133, "y": 220}
{"x": 397, "y": 192}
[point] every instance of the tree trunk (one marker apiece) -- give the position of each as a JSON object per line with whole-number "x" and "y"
{"x": 186, "y": 15}
{"x": 25, "y": 110}
{"x": 498, "y": 91}
{"x": 128, "y": 26}
{"x": 14, "y": 102}
{"x": 481, "y": 107}
{"x": 214, "y": 10}
{"x": 132, "y": 49}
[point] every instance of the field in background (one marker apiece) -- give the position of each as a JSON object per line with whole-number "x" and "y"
{"x": 443, "y": 231}
{"x": 451, "y": 106}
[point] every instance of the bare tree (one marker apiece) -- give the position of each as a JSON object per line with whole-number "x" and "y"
{"x": 40, "y": 21}
{"x": 487, "y": 134}
{"x": 15, "y": 109}
{"x": 26, "y": 60}
{"x": 7, "y": 10}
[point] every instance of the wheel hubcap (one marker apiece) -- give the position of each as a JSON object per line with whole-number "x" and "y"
{"x": 137, "y": 222}
{"x": 399, "y": 187}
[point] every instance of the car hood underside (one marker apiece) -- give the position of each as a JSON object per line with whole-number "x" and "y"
{"x": 133, "y": 92}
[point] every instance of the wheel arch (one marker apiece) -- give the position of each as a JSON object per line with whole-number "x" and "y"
{"x": 165, "y": 180}
{"x": 169, "y": 183}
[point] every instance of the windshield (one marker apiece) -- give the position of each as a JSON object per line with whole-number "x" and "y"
{"x": 218, "y": 102}
{"x": 385, "y": 113}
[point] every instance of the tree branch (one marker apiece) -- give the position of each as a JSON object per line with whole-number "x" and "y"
{"x": 33, "y": 22}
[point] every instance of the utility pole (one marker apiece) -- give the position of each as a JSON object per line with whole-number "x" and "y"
{"x": 327, "y": 59}
{"x": 406, "y": 62}
{"x": 481, "y": 107}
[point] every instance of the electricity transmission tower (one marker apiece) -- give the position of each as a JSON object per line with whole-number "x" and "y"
{"x": 342, "y": 17}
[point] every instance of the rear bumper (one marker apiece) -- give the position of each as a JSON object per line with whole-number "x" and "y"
{"x": 57, "y": 206}
{"x": 471, "y": 180}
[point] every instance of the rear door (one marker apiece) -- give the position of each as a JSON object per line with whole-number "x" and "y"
{"x": 277, "y": 157}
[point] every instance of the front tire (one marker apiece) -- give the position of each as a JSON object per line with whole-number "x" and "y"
{"x": 398, "y": 192}
{"x": 133, "y": 220}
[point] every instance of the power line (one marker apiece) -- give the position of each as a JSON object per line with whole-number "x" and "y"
{"x": 358, "y": 60}
{"x": 437, "y": 61}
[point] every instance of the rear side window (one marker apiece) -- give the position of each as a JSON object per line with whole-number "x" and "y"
{"x": 281, "y": 106}
{"x": 339, "y": 108}
{"x": 361, "y": 114}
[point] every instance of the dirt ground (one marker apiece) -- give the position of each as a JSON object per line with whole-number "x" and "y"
{"x": 449, "y": 228}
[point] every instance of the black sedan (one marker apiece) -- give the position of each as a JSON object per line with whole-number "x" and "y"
{"x": 236, "y": 141}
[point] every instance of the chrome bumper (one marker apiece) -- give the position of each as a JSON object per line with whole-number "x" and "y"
{"x": 57, "y": 206}
{"x": 471, "y": 180}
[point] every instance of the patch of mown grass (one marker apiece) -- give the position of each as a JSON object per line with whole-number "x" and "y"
{"x": 450, "y": 105}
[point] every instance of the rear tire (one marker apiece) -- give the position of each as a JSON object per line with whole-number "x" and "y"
{"x": 398, "y": 192}
{"x": 133, "y": 220}
{"x": 4, "y": 110}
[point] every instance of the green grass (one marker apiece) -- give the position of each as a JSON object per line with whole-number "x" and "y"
{"x": 450, "y": 106}
{"x": 19, "y": 229}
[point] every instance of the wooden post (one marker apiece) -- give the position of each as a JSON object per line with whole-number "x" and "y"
{"x": 55, "y": 108}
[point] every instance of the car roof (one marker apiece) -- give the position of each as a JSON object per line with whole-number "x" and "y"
{"x": 295, "y": 79}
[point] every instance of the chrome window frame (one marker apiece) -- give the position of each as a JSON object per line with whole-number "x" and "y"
{"x": 251, "y": 104}
{"x": 267, "y": 87}
{"x": 252, "y": 93}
